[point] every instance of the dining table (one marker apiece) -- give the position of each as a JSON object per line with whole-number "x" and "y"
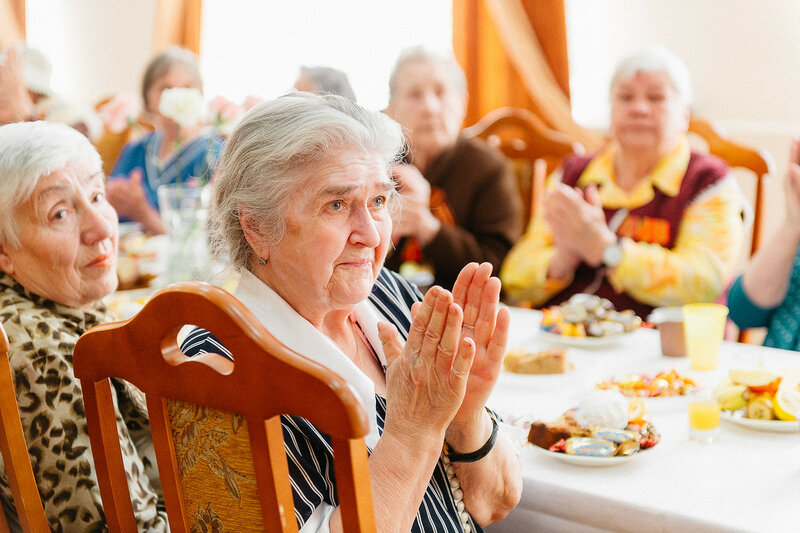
{"x": 747, "y": 480}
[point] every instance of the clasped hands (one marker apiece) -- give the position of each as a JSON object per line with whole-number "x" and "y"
{"x": 415, "y": 218}
{"x": 439, "y": 380}
{"x": 578, "y": 224}
{"x": 126, "y": 195}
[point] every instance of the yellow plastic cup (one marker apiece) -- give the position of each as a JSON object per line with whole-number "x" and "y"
{"x": 703, "y": 329}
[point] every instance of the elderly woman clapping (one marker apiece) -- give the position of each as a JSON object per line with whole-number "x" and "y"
{"x": 302, "y": 206}
{"x": 58, "y": 246}
{"x": 644, "y": 222}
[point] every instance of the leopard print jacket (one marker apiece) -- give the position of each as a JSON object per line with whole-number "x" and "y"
{"x": 42, "y": 335}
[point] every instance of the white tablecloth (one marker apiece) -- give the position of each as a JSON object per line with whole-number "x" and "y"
{"x": 746, "y": 481}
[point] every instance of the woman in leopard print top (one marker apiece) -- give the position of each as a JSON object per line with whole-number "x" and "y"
{"x": 58, "y": 245}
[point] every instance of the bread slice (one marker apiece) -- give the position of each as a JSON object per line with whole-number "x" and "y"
{"x": 545, "y": 434}
{"x": 549, "y": 361}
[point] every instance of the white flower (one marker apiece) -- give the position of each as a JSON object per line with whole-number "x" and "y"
{"x": 184, "y": 106}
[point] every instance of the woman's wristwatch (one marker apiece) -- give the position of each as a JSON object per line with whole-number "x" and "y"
{"x": 612, "y": 254}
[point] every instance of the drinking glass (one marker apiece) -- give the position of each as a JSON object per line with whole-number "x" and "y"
{"x": 703, "y": 418}
{"x": 184, "y": 211}
{"x": 703, "y": 328}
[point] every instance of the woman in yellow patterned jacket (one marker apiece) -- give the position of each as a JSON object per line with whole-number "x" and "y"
{"x": 644, "y": 222}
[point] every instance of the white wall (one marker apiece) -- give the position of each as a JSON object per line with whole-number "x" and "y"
{"x": 743, "y": 56}
{"x": 101, "y": 47}
{"x": 98, "y": 47}
{"x": 361, "y": 37}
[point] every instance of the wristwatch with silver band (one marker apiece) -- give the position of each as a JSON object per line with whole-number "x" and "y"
{"x": 612, "y": 254}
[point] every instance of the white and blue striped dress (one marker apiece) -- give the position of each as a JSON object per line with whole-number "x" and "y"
{"x": 309, "y": 451}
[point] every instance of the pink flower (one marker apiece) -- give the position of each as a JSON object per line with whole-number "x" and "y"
{"x": 251, "y": 101}
{"x": 119, "y": 112}
{"x": 224, "y": 109}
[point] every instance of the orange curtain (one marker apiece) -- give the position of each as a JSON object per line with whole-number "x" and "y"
{"x": 514, "y": 53}
{"x": 178, "y": 22}
{"x": 12, "y": 21}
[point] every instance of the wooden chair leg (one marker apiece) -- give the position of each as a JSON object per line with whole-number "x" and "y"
{"x": 350, "y": 457}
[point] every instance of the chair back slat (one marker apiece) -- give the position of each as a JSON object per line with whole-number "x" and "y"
{"x": 265, "y": 380}
{"x": 266, "y": 442}
{"x": 163, "y": 442}
{"x": 14, "y": 450}
{"x": 107, "y": 454}
{"x": 524, "y": 138}
{"x": 347, "y": 470}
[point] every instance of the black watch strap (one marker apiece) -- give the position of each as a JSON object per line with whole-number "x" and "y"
{"x": 478, "y": 454}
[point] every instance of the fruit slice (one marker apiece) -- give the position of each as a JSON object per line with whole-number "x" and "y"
{"x": 770, "y": 388}
{"x": 637, "y": 411}
{"x": 758, "y": 380}
{"x": 731, "y": 397}
{"x": 787, "y": 400}
{"x": 760, "y": 408}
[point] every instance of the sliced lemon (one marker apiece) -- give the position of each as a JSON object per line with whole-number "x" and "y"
{"x": 787, "y": 402}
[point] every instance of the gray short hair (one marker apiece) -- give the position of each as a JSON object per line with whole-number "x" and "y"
{"x": 271, "y": 153}
{"x": 419, "y": 53}
{"x": 172, "y": 56}
{"x": 329, "y": 80}
{"x": 657, "y": 59}
{"x": 28, "y": 151}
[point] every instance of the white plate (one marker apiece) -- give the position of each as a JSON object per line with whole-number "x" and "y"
{"x": 585, "y": 460}
{"x": 582, "y": 342}
{"x": 776, "y": 426}
{"x": 661, "y": 404}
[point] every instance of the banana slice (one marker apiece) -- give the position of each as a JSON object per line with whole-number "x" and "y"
{"x": 760, "y": 408}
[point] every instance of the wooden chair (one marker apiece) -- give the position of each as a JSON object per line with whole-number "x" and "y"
{"x": 523, "y": 138}
{"x": 758, "y": 162}
{"x": 266, "y": 380}
{"x": 15, "y": 453}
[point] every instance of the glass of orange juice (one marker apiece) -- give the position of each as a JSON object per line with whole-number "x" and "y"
{"x": 703, "y": 418}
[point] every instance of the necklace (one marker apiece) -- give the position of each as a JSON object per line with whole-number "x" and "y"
{"x": 356, "y": 344}
{"x": 458, "y": 494}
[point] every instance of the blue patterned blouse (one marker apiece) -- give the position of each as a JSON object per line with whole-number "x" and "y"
{"x": 195, "y": 159}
